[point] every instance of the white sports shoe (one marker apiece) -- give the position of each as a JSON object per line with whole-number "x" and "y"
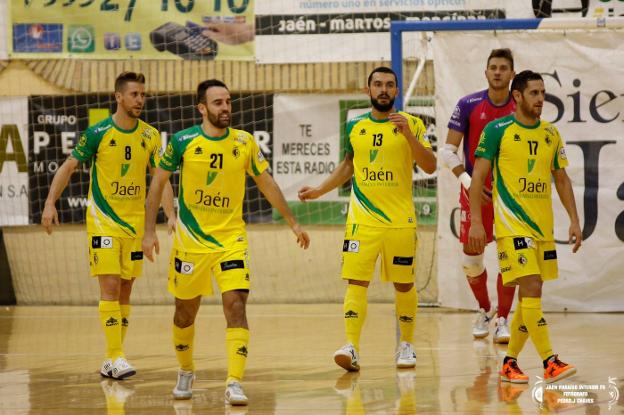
{"x": 481, "y": 329}
{"x": 234, "y": 394}
{"x": 107, "y": 368}
{"x": 501, "y": 332}
{"x": 405, "y": 355}
{"x": 122, "y": 369}
{"x": 347, "y": 358}
{"x": 184, "y": 387}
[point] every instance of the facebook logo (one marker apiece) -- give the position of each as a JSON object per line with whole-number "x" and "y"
{"x": 133, "y": 41}
{"x": 112, "y": 41}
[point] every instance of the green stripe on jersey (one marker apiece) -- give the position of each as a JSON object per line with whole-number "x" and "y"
{"x": 103, "y": 205}
{"x": 191, "y": 223}
{"x": 368, "y": 205}
{"x": 511, "y": 203}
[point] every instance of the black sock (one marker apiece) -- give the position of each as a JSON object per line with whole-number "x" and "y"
{"x": 507, "y": 358}
{"x": 545, "y": 362}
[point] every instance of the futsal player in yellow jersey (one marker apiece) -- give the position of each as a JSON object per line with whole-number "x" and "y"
{"x": 524, "y": 153}
{"x": 120, "y": 148}
{"x": 210, "y": 236}
{"x": 381, "y": 148}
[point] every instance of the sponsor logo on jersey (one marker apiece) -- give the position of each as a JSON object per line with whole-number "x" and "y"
{"x": 233, "y": 264}
{"x": 183, "y": 267}
{"x": 403, "y": 260}
{"x": 350, "y": 245}
{"x": 550, "y": 255}
{"x": 104, "y": 242}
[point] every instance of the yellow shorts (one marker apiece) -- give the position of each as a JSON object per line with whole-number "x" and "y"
{"x": 190, "y": 273}
{"x": 363, "y": 244}
{"x": 113, "y": 255}
{"x": 522, "y": 256}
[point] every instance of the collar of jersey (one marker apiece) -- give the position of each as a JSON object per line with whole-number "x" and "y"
{"x": 530, "y": 127}
{"x": 370, "y": 117}
{"x": 121, "y": 129}
{"x": 487, "y": 96}
{"x": 201, "y": 130}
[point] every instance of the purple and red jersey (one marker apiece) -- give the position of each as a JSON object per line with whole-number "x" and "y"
{"x": 472, "y": 113}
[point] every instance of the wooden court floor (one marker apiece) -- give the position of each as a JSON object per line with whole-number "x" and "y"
{"x": 50, "y": 356}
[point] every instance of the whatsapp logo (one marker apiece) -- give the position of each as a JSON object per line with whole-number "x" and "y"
{"x": 81, "y": 39}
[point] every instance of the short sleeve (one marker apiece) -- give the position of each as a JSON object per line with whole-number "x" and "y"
{"x": 257, "y": 164}
{"x": 419, "y": 130}
{"x": 87, "y": 146}
{"x": 172, "y": 156}
{"x": 347, "y": 146}
{"x": 459, "y": 119}
{"x": 560, "y": 159}
{"x": 155, "y": 153}
{"x": 489, "y": 142}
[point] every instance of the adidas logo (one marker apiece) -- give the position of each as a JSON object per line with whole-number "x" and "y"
{"x": 112, "y": 322}
{"x": 523, "y": 329}
{"x": 112, "y": 143}
{"x": 182, "y": 347}
{"x": 406, "y": 319}
{"x": 124, "y": 322}
{"x": 242, "y": 351}
{"x": 199, "y": 150}
{"x": 351, "y": 314}
{"x": 541, "y": 322}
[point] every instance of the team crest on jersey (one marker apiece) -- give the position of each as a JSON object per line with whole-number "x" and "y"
{"x": 548, "y": 140}
{"x": 522, "y": 260}
{"x": 83, "y": 141}
{"x": 236, "y": 152}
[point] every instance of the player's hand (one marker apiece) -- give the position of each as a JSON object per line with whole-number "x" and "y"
{"x": 575, "y": 236}
{"x": 476, "y": 238}
{"x": 171, "y": 224}
{"x": 303, "y": 239}
{"x": 49, "y": 217}
{"x": 400, "y": 121}
{"x": 308, "y": 193}
{"x": 150, "y": 241}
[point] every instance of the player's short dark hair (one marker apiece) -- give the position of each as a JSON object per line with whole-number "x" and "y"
{"x": 205, "y": 86}
{"x": 382, "y": 69}
{"x": 504, "y": 53}
{"x": 522, "y": 79}
{"x": 126, "y": 77}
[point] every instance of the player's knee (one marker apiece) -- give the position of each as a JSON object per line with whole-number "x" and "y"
{"x": 183, "y": 317}
{"x": 473, "y": 266}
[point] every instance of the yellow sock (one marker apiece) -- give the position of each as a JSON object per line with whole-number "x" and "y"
{"x": 406, "y": 305}
{"x": 183, "y": 343}
{"x": 519, "y": 333}
{"x": 110, "y": 317}
{"x": 236, "y": 341}
{"x": 355, "y": 303}
{"x": 536, "y": 324}
{"x": 125, "y": 313}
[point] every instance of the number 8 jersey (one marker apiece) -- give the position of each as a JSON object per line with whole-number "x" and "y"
{"x": 119, "y": 160}
{"x": 382, "y": 167}
{"x": 212, "y": 186}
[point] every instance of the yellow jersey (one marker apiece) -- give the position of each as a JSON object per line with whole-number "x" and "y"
{"x": 212, "y": 186}
{"x": 119, "y": 160}
{"x": 382, "y": 194}
{"x": 523, "y": 157}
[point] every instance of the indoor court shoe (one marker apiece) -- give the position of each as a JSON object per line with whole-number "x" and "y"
{"x": 501, "y": 331}
{"x": 184, "y": 387}
{"x": 481, "y": 329}
{"x": 405, "y": 355}
{"x": 510, "y": 372}
{"x": 347, "y": 358}
{"x": 122, "y": 369}
{"x": 106, "y": 371}
{"x": 234, "y": 394}
{"x": 556, "y": 370}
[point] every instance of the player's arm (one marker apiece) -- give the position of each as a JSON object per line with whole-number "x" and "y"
{"x": 476, "y": 235}
{"x": 450, "y": 158}
{"x": 423, "y": 156}
{"x": 566, "y": 195}
{"x": 274, "y": 195}
{"x": 49, "y": 216}
{"x": 167, "y": 203}
{"x": 340, "y": 175}
{"x": 154, "y": 196}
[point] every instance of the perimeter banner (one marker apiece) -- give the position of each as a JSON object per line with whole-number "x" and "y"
{"x": 122, "y": 29}
{"x": 584, "y": 86}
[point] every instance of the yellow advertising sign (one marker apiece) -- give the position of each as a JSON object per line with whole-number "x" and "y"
{"x": 138, "y": 29}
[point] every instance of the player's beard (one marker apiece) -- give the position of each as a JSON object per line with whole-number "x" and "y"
{"x": 132, "y": 112}
{"x": 531, "y": 110}
{"x": 382, "y": 107}
{"x": 217, "y": 121}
